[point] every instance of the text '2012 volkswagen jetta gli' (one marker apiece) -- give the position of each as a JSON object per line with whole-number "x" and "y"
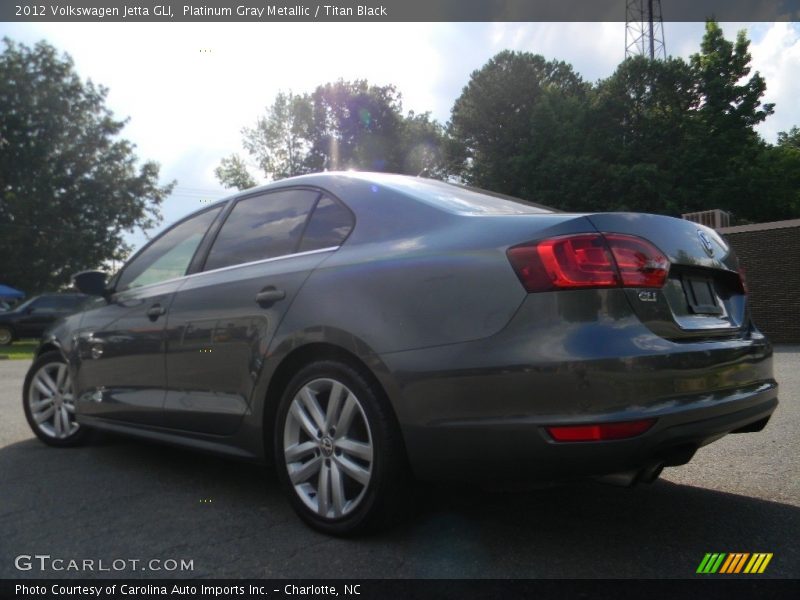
{"x": 359, "y": 328}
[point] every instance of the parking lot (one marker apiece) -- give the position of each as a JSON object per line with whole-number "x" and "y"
{"x": 131, "y": 500}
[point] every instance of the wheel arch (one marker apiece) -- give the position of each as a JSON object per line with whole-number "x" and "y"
{"x": 48, "y": 346}
{"x": 312, "y": 352}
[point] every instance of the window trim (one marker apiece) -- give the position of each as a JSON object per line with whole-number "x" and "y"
{"x": 198, "y": 263}
{"x": 118, "y": 275}
{"x": 229, "y": 267}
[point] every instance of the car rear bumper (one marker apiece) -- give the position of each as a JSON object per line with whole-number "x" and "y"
{"x": 479, "y": 410}
{"x": 520, "y": 448}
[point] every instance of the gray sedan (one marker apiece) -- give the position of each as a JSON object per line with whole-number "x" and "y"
{"x": 361, "y": 330}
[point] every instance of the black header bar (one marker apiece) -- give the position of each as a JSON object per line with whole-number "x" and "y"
{"x": 386, "y": 10}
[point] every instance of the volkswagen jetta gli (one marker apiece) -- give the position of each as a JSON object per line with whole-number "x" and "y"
{"x": 358, "y": 328}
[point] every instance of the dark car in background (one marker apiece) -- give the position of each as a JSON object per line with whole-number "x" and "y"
{"x": 357, "y": 330}
{"x": 31, "y": 318}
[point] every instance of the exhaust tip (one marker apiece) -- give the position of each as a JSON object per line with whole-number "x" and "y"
{"x": 647, "y": 474}
{"x": 650, "y": 473}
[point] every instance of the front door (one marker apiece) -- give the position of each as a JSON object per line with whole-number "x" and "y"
{"x": 120, "y": 372}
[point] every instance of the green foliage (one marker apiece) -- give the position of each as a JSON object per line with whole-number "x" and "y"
{"x": 341, "y": 125}
{"x": 790, "y": 139}
{"x": 658, "y": 136}
{"x": 355, "y": 126}
{"x": 69, "y": 186}
{"x": 232, "y": 173}
{"x": 671, "y": 136}
{"x": 20, "y": 350}
{"x": 280, "y": 139}
{"x": 494, "y": 121}
{"x": 421, "y": 146}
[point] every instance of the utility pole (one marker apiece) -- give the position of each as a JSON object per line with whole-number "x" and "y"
{"x": 644, "y": 29}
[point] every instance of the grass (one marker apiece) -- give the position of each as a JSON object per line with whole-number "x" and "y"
{"x": 19, "y": 350}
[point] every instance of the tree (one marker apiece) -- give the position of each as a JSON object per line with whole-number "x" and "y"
{"x": 665, "y": 136}
{"x": 232, "y": 172}
{"x": 491, "y": 121}
{"x": 421, "y": 144}
{"x": 643, "y": 132}
{"x": 355, "y": 125}
{"x": 279, "y": 141}
{"x": 69, "y": 186}
{"x": 782, "y": 165}
{"x": 728, "y": 149}
{"x": 341, "y": 125}
{"x": 790, "y": 139}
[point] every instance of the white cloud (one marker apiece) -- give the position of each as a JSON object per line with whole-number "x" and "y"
{"x": 777, "y": 57}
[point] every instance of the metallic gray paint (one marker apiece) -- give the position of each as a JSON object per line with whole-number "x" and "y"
{"x": 426, "y": 300}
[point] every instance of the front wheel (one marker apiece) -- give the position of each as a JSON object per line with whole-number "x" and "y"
{"x": 48, "y": 399}
{"x": 6, "y": 335}
{"x": 338, "y": 450}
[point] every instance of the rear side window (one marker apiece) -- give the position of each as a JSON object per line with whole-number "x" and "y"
{"x": 329, "y": 225}
{"x": 260, "y": 227}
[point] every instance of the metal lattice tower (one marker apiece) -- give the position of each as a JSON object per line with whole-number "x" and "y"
{"x": 644, "y": 29}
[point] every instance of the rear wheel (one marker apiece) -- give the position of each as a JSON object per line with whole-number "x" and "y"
{"x": 49, "y": 402}
{"x": 6, "y": 335}
{"x": 338, "y": 451}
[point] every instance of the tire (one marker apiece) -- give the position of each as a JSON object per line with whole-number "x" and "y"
{"x": 6, "y": 335}
{"x": 50, "y": 372}
{"x": 361, "y": 468}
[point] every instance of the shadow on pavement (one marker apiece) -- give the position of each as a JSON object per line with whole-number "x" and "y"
{"x": 127, "y": 499}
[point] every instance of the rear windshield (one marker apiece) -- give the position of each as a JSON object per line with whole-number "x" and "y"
{"x": 467, "y": 201}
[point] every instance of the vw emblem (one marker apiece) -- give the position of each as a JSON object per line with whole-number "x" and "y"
{"x": 708, "y": 246}
{"x": 326, "y": 445}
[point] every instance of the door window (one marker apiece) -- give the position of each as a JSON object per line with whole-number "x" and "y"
{"x": 169, "y": 255}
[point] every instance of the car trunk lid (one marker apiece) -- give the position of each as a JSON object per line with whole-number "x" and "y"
{"x": 703, "y": 295}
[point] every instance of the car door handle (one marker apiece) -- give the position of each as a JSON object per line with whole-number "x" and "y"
{"x": 270, "y": 295}
{"x": 155, "y": 311}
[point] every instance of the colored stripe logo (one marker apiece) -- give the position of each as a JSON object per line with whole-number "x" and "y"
{"x": 734, "y": 562}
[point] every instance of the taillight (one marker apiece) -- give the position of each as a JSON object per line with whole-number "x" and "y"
{"x": 599, "y": 432}
{"x": 589, "y": 260}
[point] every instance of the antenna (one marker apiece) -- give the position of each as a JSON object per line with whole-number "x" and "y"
{"x": 644, "y": 29}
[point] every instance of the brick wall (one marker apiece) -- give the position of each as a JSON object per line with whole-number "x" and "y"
{"x": 771, "y": 258}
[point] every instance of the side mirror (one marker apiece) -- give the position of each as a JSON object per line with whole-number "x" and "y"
{"x": 92, "y": 283}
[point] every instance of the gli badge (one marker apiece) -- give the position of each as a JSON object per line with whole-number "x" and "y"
{"x": 705, "y": 242}
{"x": 648, "y": 296}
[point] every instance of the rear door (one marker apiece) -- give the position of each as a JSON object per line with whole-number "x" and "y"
{"x": 704, "y": 296}
{"x": 224, "y": 316}
{"x": 121, "y": 373}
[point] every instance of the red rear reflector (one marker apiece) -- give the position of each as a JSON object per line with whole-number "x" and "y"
{"x": 600, "y": 432}
{"x": 743, "y": 279}
{"x": 589, "y": 260}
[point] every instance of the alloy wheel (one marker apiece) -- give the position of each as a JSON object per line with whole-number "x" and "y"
{"x": 328, "y": 448}
{"x": 51, "y": 401}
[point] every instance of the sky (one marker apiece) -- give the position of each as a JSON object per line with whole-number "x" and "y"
{"x": 190, "y": 88}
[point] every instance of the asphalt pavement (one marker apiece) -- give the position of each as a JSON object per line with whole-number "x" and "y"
{"x": 123, "y": 500}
